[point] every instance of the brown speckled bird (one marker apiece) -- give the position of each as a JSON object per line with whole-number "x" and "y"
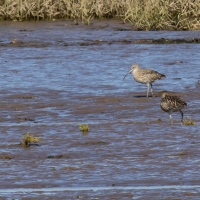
{"x": 145, "y": 76}
{"x": 170, "y": 103}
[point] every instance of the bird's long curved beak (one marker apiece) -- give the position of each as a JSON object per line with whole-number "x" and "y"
{"x": 128, "y": 73}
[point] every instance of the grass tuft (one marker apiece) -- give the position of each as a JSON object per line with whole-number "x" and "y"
{"x": 188, "y": 122}
{"x": 29, "y": 139}
{"x": 144, "y": 15}
{"x": 84, "y": 127}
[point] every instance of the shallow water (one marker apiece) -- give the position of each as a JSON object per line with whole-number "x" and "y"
{"x": 57, "y": 76}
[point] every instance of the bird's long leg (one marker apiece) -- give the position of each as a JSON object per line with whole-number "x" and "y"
{"x": 151, "y": 89}
{"x": 147, "y": 90}
{"x": 181, "y": 116}
{"x": 171, "y": 120}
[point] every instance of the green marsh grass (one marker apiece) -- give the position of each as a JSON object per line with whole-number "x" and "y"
{"x": 84, "y": 127}
{"x": 29, "y": 139}
{"x": 188, "y": 122}
{"x": 143, "y": 14}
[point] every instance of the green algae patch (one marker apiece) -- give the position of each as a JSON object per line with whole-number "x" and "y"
{"x": 28, "y": 139}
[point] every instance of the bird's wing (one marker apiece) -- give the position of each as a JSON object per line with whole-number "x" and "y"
{"x": 152, "y": 74}
{"x": 175, "y": 102}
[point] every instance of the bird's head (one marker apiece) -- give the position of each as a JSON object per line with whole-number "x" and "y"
{"x": 133, "y": 67}
{"x": 164, "y": 94}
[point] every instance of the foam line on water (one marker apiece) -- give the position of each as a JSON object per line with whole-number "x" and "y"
{"x": 63, "y": 189}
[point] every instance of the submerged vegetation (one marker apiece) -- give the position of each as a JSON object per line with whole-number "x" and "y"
{"x": 29, "y": 139}
{"x": 143, "y": 14}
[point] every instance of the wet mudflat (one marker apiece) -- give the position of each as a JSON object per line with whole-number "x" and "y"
{"x": 56, "y": 75}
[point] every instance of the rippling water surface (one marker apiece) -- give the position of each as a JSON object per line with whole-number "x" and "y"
{"x": 57, "y": 76}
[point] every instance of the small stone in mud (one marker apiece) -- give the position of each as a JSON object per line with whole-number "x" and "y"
{"x": 26, "y": 119}
{"x": 50, "y": 156}
{"x": 196, "y": 39}
{"x": 7, "y": 157}
{"x": 182, "y": 154}
{"x": 101, "y": 142}
{"x": 13, "y": 41}
{"x": 94, "y": 143}
{"x": 28, "y": 97}
{"x": 123, "y": 29}
{"x": 72, "y": 168}
{"x": 58, "y": 156}
{"x": 188, "y": 193}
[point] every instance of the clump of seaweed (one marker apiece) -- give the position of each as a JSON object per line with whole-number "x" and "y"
{"x": 178, "y": 154}
{"x": 84, "y": 127}
{"x": 29, "y": 139}
{"x": 188, "y": 122}
{"x": 58, "y": 156}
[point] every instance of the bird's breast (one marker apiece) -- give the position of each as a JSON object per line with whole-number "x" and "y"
{"x": 141, "y": 77}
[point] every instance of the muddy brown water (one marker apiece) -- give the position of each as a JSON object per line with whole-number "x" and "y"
{"x": 55, "y": 76}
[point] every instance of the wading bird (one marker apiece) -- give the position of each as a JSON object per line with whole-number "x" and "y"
{"x": 170, "y": 103}
{"x": 145, "y": 76}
